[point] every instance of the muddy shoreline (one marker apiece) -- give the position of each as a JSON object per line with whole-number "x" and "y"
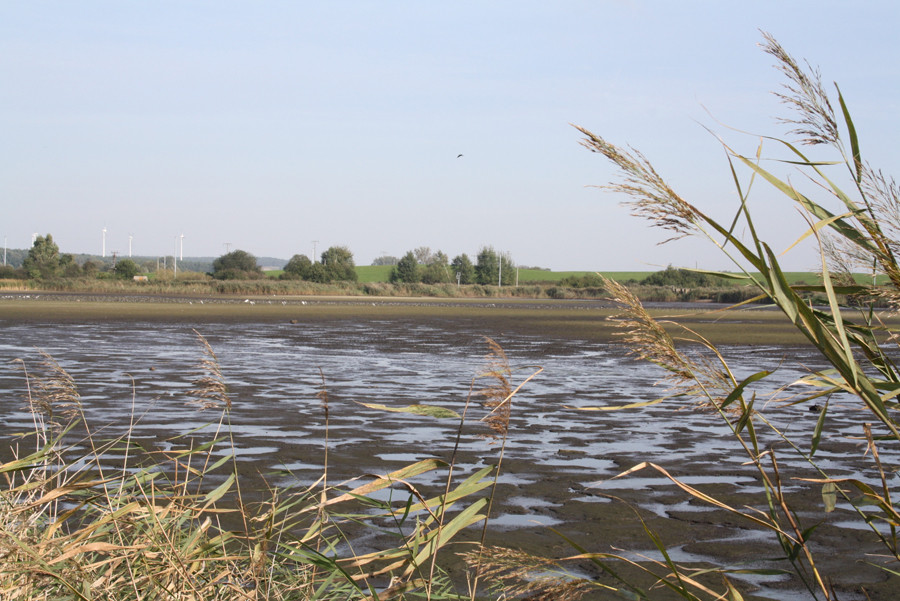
{"x": 576, "y": 319}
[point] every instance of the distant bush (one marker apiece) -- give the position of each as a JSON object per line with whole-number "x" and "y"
{"x": 681, "y": 278}
{"x": 236, "y": 265}
{"x": 589, "y": 280}
{"x": 10, "y": 272}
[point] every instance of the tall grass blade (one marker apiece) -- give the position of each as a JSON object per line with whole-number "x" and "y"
{"x": 854, "y": 140}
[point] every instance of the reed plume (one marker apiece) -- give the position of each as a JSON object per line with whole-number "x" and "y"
{"x": 497, "y": 397}
{"x": 648, "y": 340}
{"x": 653, "y": 198}
{"x": 52, "y": 395}
{"x": 815, "y": 121}
{"x": 523, "y": 575}
{"x": 210, "y": 389}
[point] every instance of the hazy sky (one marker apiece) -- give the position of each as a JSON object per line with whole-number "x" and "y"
{"x": 270, "y": 125}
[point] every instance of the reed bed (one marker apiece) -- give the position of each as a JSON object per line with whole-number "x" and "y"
{"x": 83, "y": 516}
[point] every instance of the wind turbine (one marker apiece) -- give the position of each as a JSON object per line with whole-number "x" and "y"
{"x": 103, "y": 247}
{"x": 130, "y": 238}
{"x": 181, "y": 253}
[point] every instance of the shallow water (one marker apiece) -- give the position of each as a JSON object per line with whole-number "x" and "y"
{"x": 558, "y": 461}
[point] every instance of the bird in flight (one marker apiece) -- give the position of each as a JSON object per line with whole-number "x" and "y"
{"x": 459, "y": 155}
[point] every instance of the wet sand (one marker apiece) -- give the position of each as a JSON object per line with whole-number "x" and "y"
{"x": 551, "y": 492}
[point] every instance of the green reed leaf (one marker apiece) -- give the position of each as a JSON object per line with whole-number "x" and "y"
{"x": 842, "y": 227}
{"x": 851, "y": 130}
{"x": 739, "y": 389}
{"x": 219, "y": 491}
{"x": 428, "y": 410}
{"x": 746, "y": 414}
{"x": 817, "y": 433}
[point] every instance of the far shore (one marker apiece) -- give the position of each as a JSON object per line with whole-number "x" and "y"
{"x": 560, "y": 318}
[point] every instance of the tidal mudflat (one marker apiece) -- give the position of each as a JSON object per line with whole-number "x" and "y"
{"x": 131, "y": 357}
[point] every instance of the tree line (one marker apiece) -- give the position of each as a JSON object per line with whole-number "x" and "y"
{"x": 44, "y": 261}
{"x": 421, "y": 265}
{"x": 335, "y": 264}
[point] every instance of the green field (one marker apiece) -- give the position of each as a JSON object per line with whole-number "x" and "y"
{"x": 373, "y": 273}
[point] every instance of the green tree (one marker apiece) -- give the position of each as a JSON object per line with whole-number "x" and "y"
{"x": 317, "y": 273}
{"x": 43, "y": 259}
{"x": 462, "y": 266}
{"x": 297, "y": 268}
{"x": 126, "y": 269}
{"x": 236, "y": 265}
{"x": 406, "y": 270}
{"x": 339, "y": 265}
{"x": 68, "y": 266}
{"x": 681, "y": 278}
{"x": 492, "y": 268}
{"x": 90, "y": 268}
{"x": 436, "y": 272}
{"x": 8, "y": 272}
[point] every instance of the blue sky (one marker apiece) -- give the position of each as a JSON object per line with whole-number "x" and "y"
{"x": 270, "y": 125}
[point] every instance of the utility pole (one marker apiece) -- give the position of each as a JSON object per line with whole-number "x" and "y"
{"x": 130, "y": 238}
{"x": 181, "y": 249}
{"x": 227, "y": 247}
{"x": 4, "y": 251}
{"x": 103, "y": 246}
{"x": 499, "y": 270}
{"x": 315, "y": 242}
